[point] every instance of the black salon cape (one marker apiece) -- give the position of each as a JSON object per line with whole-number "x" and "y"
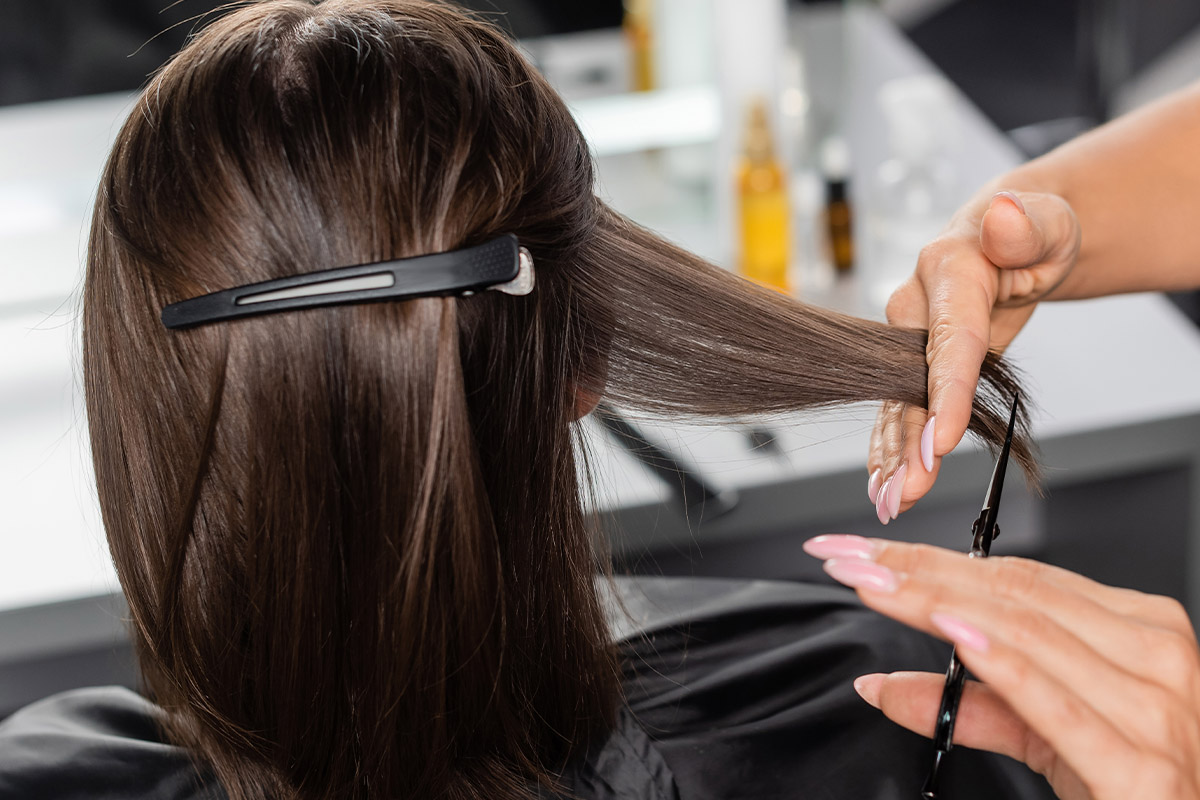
{"x": 734, "y": 689}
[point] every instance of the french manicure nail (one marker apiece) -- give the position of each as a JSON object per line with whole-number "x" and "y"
{"x": 881, "y": 503}
{"x": 927, "y": 445}
{"x": 959, "y": 632}
{"x": 859, "y": 574}
{"x": 869, "y": 687}
{"x": 839, "y": 545}
{"x": 1012, "y": 198}
{"x": 895, "y": 489}
{"x": 873, "y": 484}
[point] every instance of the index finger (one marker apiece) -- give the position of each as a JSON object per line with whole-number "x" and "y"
{"x": 1027, "y": 579}
{"x": 961, "y": 296}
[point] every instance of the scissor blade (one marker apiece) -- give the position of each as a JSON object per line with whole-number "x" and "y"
{"x": 991, "y": 501}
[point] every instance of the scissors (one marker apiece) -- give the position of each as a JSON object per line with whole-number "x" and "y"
{"x": 985, "y": 530}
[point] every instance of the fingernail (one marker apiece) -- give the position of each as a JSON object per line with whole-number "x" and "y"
{"x": 839, "y": 545}
{"x": 869, "y": 687}
{"x": 873, "y": 484}
{"x": 927, "y": 445}
{"x": 959, "y": 632}
{"x": 859, "y": 574}
{"x": 895, "y": 489}
{"x": 1010, "y": 197}
{"x": 881, "y": 502}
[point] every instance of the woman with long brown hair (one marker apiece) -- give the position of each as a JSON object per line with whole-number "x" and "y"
{"x": 351, "y": 533}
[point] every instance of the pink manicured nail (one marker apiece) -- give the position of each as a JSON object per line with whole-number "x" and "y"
{"x": 859, "y": 574}
{"x": 881, "y": 502}
{"x": 895, "y": 489}
{"x": 869, "y": 687}
{"x": 873, "y": 484}
{"x": 1012, "y": 198}
{"x": 839, "y": 545}
{"x": 927, "y": 445}
{"x": 959, "y": 632}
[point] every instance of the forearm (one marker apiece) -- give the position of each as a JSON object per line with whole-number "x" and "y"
{"x": 1134, "y": 185}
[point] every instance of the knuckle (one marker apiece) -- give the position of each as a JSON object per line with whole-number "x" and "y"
{"x": 1175, "y": 657}
{"x": 1016, "y": 577}
{"x": 1015, "y": 669}
{"x": 1169, "y": 612}
{"x": 908, "y": 558}
{"x": 914, "y": 419}
{"x": 947, "y": 335}
{"x": 893, "y": 436}
{"x": 935, "y": 254}
{"x": 1159, "y": 719}
{"x": 875, "y": 456}
{"x": 1038, "y": 754}
{"x": 1028, "y": 628}
{"x": 948, "y": 385}
{"x": 1160, "y": 775}
{"x": 935, "y": 598}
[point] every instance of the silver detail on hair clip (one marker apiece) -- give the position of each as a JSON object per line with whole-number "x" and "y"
{"x": 380, "y": 280}
{"x": 523, "y": 283}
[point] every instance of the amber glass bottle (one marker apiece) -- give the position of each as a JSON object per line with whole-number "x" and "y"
{"x": 839, "y": 217}
{"x": 762, "y": 206}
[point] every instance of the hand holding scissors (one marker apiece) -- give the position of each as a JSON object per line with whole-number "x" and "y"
{"x": 1097, "y": 688}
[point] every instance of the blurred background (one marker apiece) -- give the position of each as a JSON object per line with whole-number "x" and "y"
{"x": 1023, "y": 62}
{"x": 813, "y": 147}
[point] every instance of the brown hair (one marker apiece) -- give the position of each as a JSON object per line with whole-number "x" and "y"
{"x": 351, "y": 538}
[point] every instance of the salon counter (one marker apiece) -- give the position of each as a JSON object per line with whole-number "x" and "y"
{"x": 1116, "y": 382}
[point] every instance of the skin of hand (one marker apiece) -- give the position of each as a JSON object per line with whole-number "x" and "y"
{"x": 1132, "y": 185}
{"x": 1097, "y": 688}
{"x": 974, "y": 288}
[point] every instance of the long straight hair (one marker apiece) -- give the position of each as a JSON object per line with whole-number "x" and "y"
{"x": 352, "y": 538}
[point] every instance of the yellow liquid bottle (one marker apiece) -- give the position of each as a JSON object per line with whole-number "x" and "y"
{"x": 763, "y": 210}
{"x": 639, "y": 31}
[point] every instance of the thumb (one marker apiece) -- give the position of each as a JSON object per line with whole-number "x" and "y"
{"x": 911, "y": 700}
{"x": 1026, "y": 228}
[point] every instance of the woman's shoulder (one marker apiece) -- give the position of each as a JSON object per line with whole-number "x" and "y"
{"x": 745, "y": 688}
{"x": 95, "y": 743}
{"x": 734, "y": 689}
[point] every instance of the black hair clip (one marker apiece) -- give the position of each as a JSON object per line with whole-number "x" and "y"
{"x": 500, "y": 265}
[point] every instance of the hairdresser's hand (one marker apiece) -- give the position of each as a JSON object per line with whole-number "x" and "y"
{"x": 1096, "y": 688}
{"x": 974, "y": 288}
